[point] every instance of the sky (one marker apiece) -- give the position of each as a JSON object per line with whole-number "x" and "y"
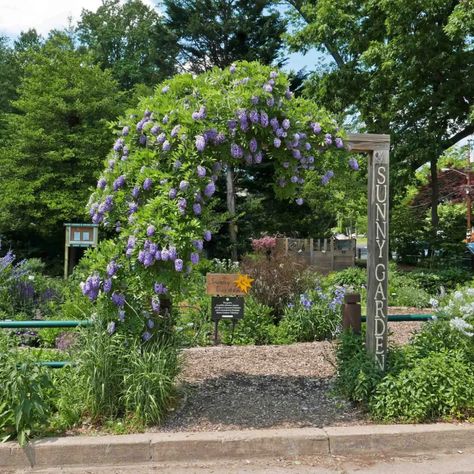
{"x": 44, "y": 15}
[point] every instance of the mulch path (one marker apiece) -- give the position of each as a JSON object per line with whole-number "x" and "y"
{"x": 252, "y": 387}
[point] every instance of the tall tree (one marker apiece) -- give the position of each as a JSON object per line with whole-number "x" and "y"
{"x": 55, "y": 142}
{"x": 218, "y": 32}
{"x": 131, "y": 39}
{"x": 404, "y": 65}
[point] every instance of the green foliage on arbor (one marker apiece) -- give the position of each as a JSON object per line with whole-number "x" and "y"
{"x": 55, "y": 142}
{"x": 219, "y": 32}
{"x": 131, "y": 39}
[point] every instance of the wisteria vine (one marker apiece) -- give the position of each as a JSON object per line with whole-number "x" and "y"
{"x": 162, "y": 174}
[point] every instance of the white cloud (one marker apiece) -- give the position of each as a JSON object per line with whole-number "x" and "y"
{"x": 21, "y": 15}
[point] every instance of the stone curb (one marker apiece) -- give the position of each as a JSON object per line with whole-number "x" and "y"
{"x": 390, "y": 440}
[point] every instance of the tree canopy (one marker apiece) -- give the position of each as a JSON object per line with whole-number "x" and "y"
{"x": 55, "y": 142}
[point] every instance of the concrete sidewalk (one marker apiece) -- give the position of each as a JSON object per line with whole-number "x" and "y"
{"x": 148, "y": 448}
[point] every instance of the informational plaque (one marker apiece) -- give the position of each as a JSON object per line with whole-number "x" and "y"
{"x": 223, "y": 284}
{"x": 227, "y": 307}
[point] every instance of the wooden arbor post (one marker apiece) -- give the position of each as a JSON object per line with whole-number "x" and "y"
{"x": 377, "y": 147}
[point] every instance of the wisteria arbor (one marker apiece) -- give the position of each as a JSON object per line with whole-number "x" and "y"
{"x": 160, "y": 178}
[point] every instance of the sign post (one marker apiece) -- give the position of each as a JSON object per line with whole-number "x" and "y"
{"x": 377, "y": 146}
{"x": 227, "y": 302}
{"x": 78, "y": 236}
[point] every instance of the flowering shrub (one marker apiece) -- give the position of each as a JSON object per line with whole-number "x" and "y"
{"x": 161, "y": 175}
{"x": 316, "y": 315}
{"x": 459, "y": 310}
{"x": 264, "y": 244}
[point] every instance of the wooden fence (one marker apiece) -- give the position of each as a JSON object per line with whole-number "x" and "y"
{"x": 325, "y": 255}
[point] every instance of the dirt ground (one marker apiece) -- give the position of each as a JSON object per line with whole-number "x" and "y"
{"x": 252, "y": 387}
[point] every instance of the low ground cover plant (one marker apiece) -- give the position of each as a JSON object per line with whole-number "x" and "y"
{"x": 429, "y": 379}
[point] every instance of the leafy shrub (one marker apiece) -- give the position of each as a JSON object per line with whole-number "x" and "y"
{"x": 357, "y": 374}
{"x": 276, "y": 279}
{"x": 315, "y": 316}
{"x": 439, "y": 385}
{"x": 405, "y": 291}
{"x": 26, "y": 395}
{"x": 433, "y": 281}
{"x": 353, "y": 277}
{"x": 256, "y": 327}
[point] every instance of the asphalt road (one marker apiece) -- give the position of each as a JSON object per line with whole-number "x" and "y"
{"x": 454, "y": 463}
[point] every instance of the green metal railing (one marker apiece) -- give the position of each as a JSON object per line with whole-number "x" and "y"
{"x": 88, "y": 322}
{"x": 45, "y": 325}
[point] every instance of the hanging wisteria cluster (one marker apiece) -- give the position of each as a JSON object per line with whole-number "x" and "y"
{"x": 164, "y": 167}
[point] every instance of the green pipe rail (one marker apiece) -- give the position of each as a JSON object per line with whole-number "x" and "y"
{"x": 405, "y": 317}
{"x": 44, "y": 324}
{"x": 87, "y": 323}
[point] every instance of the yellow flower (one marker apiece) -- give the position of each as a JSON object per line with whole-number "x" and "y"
{"x": 244, "y": 283}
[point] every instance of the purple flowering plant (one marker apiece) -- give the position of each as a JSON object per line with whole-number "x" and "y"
{"x": 189, "y": 121}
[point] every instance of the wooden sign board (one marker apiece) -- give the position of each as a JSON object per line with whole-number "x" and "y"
{"x": 223, "y": 284}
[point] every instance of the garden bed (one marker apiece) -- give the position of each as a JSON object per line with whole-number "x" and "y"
{"x": 251, "y": 387}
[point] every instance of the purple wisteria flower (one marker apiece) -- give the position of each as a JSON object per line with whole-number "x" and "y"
{"x": 267, "y": 87}
{"x": 90, "y": 287}
{"x": 121, "y": 315}
{"x": 161, "y": 138}
{"x": 182, "y": 204}
{"x": 305, "y": 301}
{"x": 165, "y": 89}
{"x": 253, "y": 116}
{"x": 166, "y": 146}
{"x": 200, "y": 143}
{"x": 150, "y": 323}
{"x": 118, "y": 183}
{"x": 147, "y": 184}
{"x": 326, "y": 178}
{"x": 277, "y": 143}
{"x": 294, "y": 179}
{"x": 339, "y": 143}
{"x": 207, "y": 235}
{"x": 135, "y": 192}
{"x": 201, "y": 171}
{"x": 146, "y": 336}
{"x": 160, "y": 289}
{"x": 132, "y": 240}
{"x": 184, "y": 185}
{"x": 178, "y": 265}
{"x": 198, "y": 245}
{"x": 155, "y": 304}
{"x": 253, "y": 145}
{"x": 112, "y": 268}
{"x": 236, "y": 151}
{"x": 270, "y": 101}
{"x": 254, "y": 99}
{"x": 210, "y": 189}
{"x": 299, "y": 201}
{"x": 201, "y": 114}
{"x": 177, "y": 165}
{"x": 286, "y": 124}
{"x": 132, "y": 207}
{"x": 175, "y": 130}
{"x": 258, "y": 158}
{"x": 274, "y": 123}
{"x": 155, "y": 130}
{"x": 150, "y": 230}
{"x": 353, "y": 163}
{"x": 165, "y": 255}
{"x": 119, "y": 144}
{"x": 172, "y": 193}
{"x": 197, "y": 209}
{"x": 118, "y": 299}
{"x": 142, "y": 139}
{"x": 102, "y": 183}
{"x": 165, "y": 119}
{"x": 316, "y": 127}
{"x": 195, "y": 258}
{"x": 264, "y": 119}
{"x": 107, "y": 285}
{"x": 328, "y": 139}
{"x": 232, "y": 68}
{"x": 125, "y": 130}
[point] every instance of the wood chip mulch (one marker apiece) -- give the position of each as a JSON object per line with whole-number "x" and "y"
{"x": 252, "y": 387}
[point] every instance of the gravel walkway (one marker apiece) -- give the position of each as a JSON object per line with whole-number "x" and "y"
{"x": 251, "y": 387}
